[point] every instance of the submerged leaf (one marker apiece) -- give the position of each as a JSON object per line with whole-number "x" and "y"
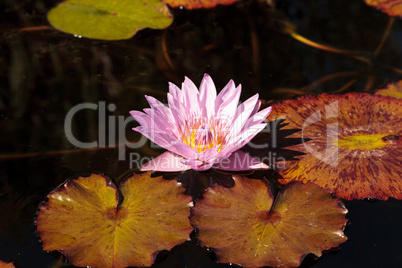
{"x": 355, "y": 149}
{"x": 194, "y": 4}
{"x": 390, "y": 7}
{"x": 84, "y": 220}
{"x": 109, "y": 19}
{"x": 245, "y": 226}
{"x": 392, "y": 90}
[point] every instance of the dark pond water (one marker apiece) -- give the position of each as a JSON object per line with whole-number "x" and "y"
{"x": 46, "y": 73}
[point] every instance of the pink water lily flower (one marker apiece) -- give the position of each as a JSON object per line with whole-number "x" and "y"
{"x": 201, "y": 129}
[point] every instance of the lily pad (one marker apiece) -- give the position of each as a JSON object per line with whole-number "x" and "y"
{"x": 194, "y": 4}
{"x": 354, "y": 147}
{"x": 84, "y": 220}
{"x": 390, "y": 7}
{"x": 245, "y": 226}
{"x": 392, "y": 90}
{"x": 109, "y": 19}
{"x": 6, "y": 264}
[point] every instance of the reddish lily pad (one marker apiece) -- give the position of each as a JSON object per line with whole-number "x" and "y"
{"x": 392, "y": 90}
{"x": 194, "y": 4}
{"x": 84, "y": 220}
{"x": 109, "y": 19}
{"x": 390, "y": 7}
{"x": 6, "y": 264}
{"x": 246, "y": 226}
{"x": 355, "y": 149}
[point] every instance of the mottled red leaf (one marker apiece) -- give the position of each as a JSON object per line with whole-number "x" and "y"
{"x": 245, "y": 226}
{"x": 84, "y": 220}
{"x": 392, "y": 90}
{"x": 194, "y": 4}
{"x": 390, "y": 7}
{"x": 355, "y": 150}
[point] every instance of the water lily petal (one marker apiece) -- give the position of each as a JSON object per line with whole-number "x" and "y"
{"x": 167, "y": 161}
{"x": 197, "y": 165}
{"x": 200, "y": 126}
{"x": 190, "y": 95}
{"x": 243, "y": 138}
{"x": 157, "y": 105}
{"x": 257, "y": 118}
{"x": 256, "y": 107}
{"x": 168, "y": 142}
{"x": 224, "y": 94}
{"x": 208, "y": 155}
{"x": 155, "y": 120}
{"x": 227, "y": 101}
{"x": 153, "y": 135}
{"x": 175, "y": 92}
{"x": 161, "y": 117}
{"x": 239, "y": 160}
{"x": 247, "y": 134}
{"x": 159, "y": 108}
{"x": 207, "y": 96}
{"x": 176, "y": 109}
{"x": 156, "y": 125}
{"x": 243, "y": 113}
{"x": 140, "y": 117}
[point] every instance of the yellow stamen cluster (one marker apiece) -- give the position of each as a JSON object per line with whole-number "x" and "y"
{"x": 203, "y": 134}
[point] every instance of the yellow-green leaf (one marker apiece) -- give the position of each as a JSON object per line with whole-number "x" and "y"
{"x": 84, "y": 220}
{"x": 109, "y": 19}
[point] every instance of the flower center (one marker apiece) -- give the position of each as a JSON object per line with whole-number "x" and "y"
{"x": 203, "y": 134}
{"x": 362, "y": 142}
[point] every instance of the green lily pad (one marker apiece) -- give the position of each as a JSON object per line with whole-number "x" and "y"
{"x": 109, "y": 19}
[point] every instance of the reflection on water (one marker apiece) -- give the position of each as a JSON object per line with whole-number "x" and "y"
{"x": 45, "y": 74}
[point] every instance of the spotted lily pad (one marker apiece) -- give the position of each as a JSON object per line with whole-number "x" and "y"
{"x": 245, "y": 226}
{"x": 194, "y": 4}
{"x": 109, "y": 19}
{"x": 354, "y": 146}
{"x": 390, "y": 7}
{"x": 392, "y": 90}
{"x": 84, "y": 220}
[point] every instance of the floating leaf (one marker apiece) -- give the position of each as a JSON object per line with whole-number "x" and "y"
{"x": 109, "y": 19}
{"x": 6, "y": 264}
{"x": 84, "y": 220}
{"x": 390, "y": 7}
{"x": 245, "y": 226}
{"x": 194, "y": 4}
{"x": 355, "y": 150}
{"x": 392, "y": 90}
